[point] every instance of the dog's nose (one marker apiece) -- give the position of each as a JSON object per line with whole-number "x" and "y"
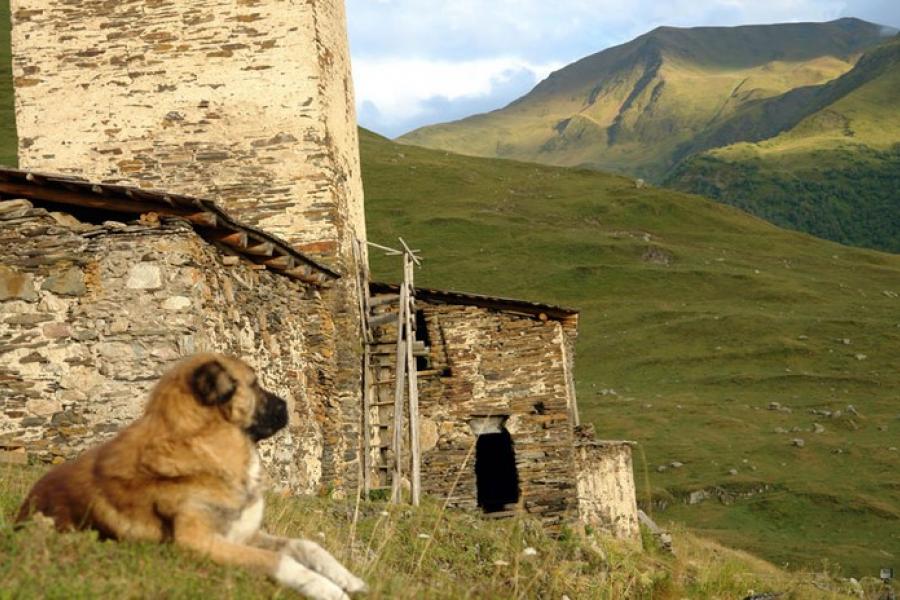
{"x": 278, "y": 409}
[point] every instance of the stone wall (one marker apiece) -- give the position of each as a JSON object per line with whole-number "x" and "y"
{"x": 91, "y": 315}
{"x": 605, "y": 478}
{"x": 245, "y": 102}
{"x": 492, "y": 363}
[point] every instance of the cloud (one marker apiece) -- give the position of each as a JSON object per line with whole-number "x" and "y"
{"x": 395, "y": 95}
{"x": 424, "y": 61}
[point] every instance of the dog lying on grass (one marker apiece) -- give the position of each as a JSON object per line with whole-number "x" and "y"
{"x": 188, "y": 471}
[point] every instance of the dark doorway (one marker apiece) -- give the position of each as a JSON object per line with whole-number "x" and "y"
{"x": 495, "y": 472}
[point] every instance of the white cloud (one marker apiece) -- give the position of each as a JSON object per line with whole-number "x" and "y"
{"x": 403, "y": 93}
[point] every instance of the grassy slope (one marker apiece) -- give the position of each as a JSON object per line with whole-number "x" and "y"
{"x": 745, "y": 314}
{"x": 386, "y": 547}
{"x": 834, "y": 171}
{"x": 8, "y": 143}
{"x": 631, "y": 108}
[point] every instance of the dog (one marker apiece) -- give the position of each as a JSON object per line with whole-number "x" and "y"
{"x": 188, "y": 472}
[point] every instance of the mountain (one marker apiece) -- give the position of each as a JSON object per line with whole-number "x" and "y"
{"x": 712, "y": 338}
{"x": 630, "y": 108}
{"x": 795, "y": 123}
{"x": 824, "y": 159}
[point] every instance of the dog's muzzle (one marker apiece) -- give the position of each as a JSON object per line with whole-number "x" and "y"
{"x": 270, "y": 416}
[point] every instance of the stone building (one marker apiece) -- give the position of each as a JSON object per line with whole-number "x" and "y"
{"x": 249, "y": 102}
{"x": 105, "y": 280}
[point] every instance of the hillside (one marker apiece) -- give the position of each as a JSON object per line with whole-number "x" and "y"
{"x": 631, "y": 108}
{"x": 403, "y": 553}
{"x": 711, "y": 337}
{"x": 829, "y": 163}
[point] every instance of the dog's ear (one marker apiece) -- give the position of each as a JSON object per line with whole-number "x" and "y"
{"x": 212, "y": 384}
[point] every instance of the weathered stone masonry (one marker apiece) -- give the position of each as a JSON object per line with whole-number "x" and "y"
{"x": 508, "y": 364}
{"x": 90, "y": 315}
{"x": 248, "y": 102}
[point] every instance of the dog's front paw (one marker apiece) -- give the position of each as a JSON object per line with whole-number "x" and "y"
{"x": 319, "y": 560}
{"x": 309, "y": 583}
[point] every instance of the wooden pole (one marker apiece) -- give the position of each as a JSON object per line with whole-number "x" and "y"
{"x": 415, "y": 484}
{"x": 367, "y": 383}
{"x": 398, "y": 396}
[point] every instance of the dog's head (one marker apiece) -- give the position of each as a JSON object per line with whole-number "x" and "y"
{"x": 218, "y": 387}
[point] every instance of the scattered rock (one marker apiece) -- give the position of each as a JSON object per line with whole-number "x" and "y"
{"x": 818, "y": 428}
{"x": 662, "y": 468}
{"x": 860, "y": 356}
{"x": 852, "y": 410}
{"x": 676, "y": 464}
{"x": 732, "y": 471}
{"x": 798, "y": 442}
{"x": 698, "y": 496}
{"x": 529, "y": 551}
{"x": 501, "y": 563}
{"x": 845, "y": 341}
{"x": 780, "y": 430}
{"x": 656, "y": 255}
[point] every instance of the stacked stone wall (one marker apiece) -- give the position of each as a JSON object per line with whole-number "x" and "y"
{"x": 245, "y": 102}
{"x": 497, "y": 364}
{"x": 91, "y": 315}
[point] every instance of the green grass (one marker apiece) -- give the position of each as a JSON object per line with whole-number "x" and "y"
{"x": 744, "y": 314}
{"x": 403, "y": 553}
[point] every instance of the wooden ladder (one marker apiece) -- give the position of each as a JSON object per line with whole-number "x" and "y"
{"x": 390, "y": 382}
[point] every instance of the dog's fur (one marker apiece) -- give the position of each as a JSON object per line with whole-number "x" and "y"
{"x": 188, "y": 471}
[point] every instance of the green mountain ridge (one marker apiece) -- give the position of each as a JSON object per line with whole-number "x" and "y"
{"x": 685, "y": 106}
{"x": 631, "y": 107}
{"x": 829, "y": 163}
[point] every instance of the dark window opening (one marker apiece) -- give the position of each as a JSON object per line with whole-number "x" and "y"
{"x": 423, "y": 363}
{"x": 540, "y": 408}
{"x": 496, "y": 476}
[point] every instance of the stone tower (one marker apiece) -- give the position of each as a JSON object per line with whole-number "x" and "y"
{"x": 245, "y": 102}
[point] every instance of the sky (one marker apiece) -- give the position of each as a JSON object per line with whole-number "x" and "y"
{"x": 419, "y": 62}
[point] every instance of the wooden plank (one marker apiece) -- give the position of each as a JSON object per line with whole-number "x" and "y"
{"x": 306, "y": 274}
{"x": 366, "y": 374}
{"x": 260, "y": 249}
{"x": 379, "y": 320}
{"x": 237, "y": 239}
{"x": 204, "y": 219}
{"x": 383, "y": 299}
{"x": 412, "y": 382}
{"x": 400, "y": 375}
{"x": 280, "y": 262}
{"x": 48, "y": 194}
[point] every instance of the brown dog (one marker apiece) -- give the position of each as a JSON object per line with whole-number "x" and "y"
{"x": 188, "y": 471}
